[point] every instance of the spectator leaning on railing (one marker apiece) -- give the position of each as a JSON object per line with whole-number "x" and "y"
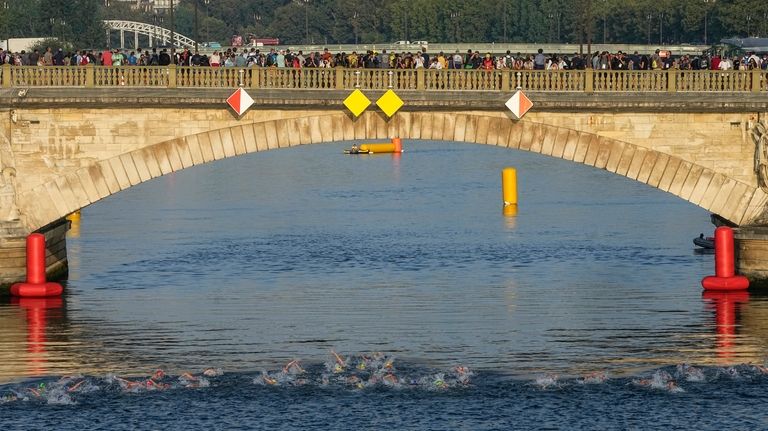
{"x": 234, "y": 57}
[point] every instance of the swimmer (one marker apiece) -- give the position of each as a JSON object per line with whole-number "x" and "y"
{"x": 128, "y": 384}
{"x": 689, "y": 373}
{"x": 188, "y": 376}
{"x": 439, "y": 382}
{"x": 212, "y": 372}
{"x": 76, "y": 386}
{"x": 390, "y": 379}
{"x": 365, "y": 361}
{"x": 158, "y": 375}
{"x": 547, "y": 381}
{"x": 293, "y": 367}
{"x": 268, "y": 380}
{"x": 389, "y": 364}
{"x": 38, "y": 391}
{"x": 592, "y": 378}
{"x": 463, "y": 374}
{"x": 339, "y": 360}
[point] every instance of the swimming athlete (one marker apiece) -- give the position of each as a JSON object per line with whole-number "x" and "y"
{"x": 340, "y": 365}
{"x": 293, "y": 367}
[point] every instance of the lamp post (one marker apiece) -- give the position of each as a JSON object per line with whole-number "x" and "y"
{"x": 661, "y": 28}
{"x": 355, "y": 17}
{"x": 650, "y": 17}
{"x": 706, "y": 13}
{"x": 7, "y": 23}
{"x": 306, "y": 21}
{"x": 153, "y": 38}
{"x": 455, "y": 15}
{"x": 749, "y": 21}
{"x": 207, "y": 24}
{"x": 605, "y": 22}
{"x": 197, "y": 33}
{"x": 555, "y": 19}
{"x": 504, "y": 19}
{"x": 173, "y": 30}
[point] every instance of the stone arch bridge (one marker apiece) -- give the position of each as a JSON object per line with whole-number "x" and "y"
{"x": 64, "y": 149}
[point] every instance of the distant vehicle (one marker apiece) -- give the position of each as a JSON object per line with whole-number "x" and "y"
{"x": 420, "y": 42}
{"x": 263, "y": 41}
{"x": 402, "y": 42}
{"x": 214, "y": 45}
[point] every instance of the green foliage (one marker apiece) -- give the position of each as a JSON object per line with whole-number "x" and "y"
{"x": 54, "y": 44}
{"x": 381, "y": 21}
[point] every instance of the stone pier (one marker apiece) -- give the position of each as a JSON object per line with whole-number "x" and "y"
{"x": 13, "y": 251}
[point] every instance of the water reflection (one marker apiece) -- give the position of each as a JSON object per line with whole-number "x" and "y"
{"x": 510, "y": 216}
{"x": 31, "y": 356}
{"x": 726, "y": 306}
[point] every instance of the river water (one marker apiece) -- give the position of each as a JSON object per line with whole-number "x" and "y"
{"x": 582, "y": 311}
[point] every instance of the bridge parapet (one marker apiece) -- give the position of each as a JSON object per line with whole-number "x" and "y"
{"x": 574, "y": 81}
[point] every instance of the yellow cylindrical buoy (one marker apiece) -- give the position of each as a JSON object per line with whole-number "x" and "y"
{"x": 510, "y": 210}
{"x": 398, "y": 143}
{"x": 377, "y": 148}
{"x": 509, "y": 186}
{"x": 75, "y": 216}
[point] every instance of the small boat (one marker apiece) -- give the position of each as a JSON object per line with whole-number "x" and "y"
{"x": 707, "y": 243}
{"x": 355, "y": 151}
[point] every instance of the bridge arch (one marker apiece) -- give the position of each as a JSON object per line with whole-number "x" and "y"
{"x": 713, "y": 191}
{"x": 152, "y": 32}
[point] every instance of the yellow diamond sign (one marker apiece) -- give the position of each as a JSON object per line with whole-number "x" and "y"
{"x": 357, "y": 102}
{"x": 390, "y": 103}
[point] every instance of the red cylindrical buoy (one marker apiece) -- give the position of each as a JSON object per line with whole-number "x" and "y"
{"x": 724, "y": 265}
{"x": 725, "y": 277}
{"x": 36, "y": 286}
{"x": 36, "y": 258}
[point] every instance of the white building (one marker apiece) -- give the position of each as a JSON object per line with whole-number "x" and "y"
{"x": 149, "y": 5}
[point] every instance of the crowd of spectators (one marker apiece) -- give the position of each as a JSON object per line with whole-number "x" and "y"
{"x": 284, "y": 58}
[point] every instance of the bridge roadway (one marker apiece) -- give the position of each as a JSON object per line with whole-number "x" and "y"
{"x": 65, "y": 147}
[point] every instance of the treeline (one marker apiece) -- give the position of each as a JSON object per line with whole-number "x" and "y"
{"x": 381, "y": 21}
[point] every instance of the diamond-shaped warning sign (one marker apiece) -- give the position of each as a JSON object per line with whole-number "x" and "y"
{"x": 357, "y": 102}
{"x": 519, "y": 104}
{"x": 240, "y": 101}
{"x": 390, "y": 103}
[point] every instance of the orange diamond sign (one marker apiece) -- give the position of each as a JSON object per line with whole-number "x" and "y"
{"x": 519, "y": 104}
{"x": 240, "y": 101}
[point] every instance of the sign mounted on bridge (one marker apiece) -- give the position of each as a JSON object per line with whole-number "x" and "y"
{"x": 240, "y": 101}
{"x": 390, "y": 103}
{"x": 356, "y": 102}
{"x": 519, "y": 104}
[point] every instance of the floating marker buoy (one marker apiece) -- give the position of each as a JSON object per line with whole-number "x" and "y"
{"x": 725, "y": 277}
{"x": 398, "y": 143}
{"x": 377, "y": 148}
{"x": 36, "y": 285}
{"x": 509, "y": 186}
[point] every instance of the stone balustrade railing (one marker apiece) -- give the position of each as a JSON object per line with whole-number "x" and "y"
{"x": 585, "y": 81}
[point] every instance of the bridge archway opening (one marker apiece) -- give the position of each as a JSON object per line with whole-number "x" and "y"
{"x": 701, "y": 186}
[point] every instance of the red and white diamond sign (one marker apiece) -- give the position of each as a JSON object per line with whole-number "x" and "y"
{"x": 519, "y": 104}
{"x": 240, "y": 101}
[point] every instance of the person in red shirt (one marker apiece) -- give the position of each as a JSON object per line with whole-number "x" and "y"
{"x": 715, "y": 63}
{"x": 106, "y": 58}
